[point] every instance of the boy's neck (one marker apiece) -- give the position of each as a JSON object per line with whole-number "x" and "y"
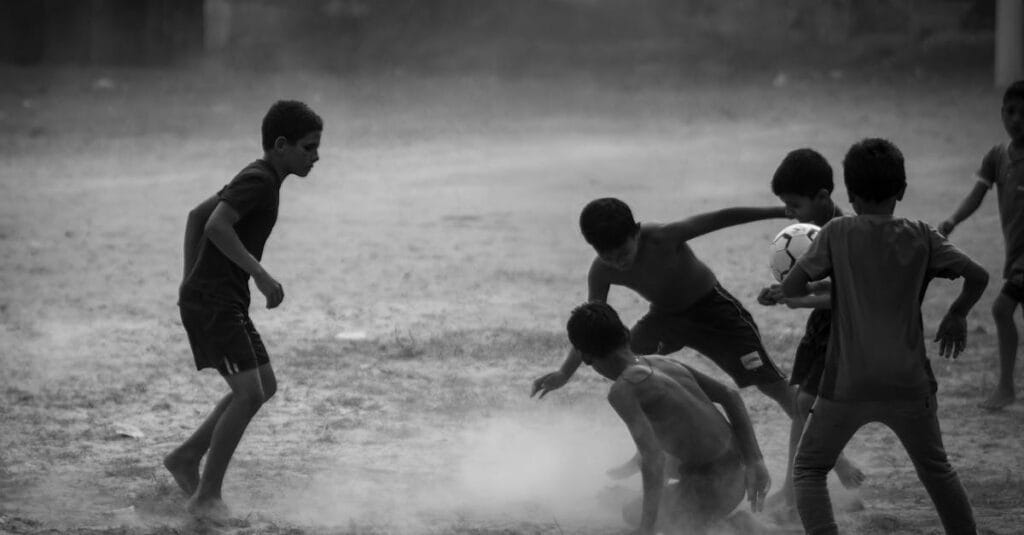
{"x": 276, "y": 165}
{"x": 828, "y": 212}
{"x": 886, "y": 207}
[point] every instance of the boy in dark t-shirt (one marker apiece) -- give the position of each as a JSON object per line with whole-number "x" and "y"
{"x": 876, "y": 365}
{"x": 224, "y": 239}
{"x": 1003, "y": 167}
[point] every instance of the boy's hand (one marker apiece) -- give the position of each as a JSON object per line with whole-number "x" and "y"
{"x": 952, "y": 335}
{"x": 270, "y": 288}
{"x": 946, "y": 227}
{"x": 549, "y": 382}
{"x": 771, "y": 295}
{"x": 758, "y": 483}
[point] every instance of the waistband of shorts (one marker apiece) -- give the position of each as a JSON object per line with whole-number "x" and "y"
{"x": 193, "y": 295}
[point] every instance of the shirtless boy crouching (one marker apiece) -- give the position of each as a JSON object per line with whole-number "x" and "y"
{"x": 670, "y": 413}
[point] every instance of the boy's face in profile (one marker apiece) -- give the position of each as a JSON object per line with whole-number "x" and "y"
{"x": 806, "y": 209}
{"x": 300, "y": 156}
{"x": 621, "y": 257}
{"x": 599, "y": 363}
{"x": 1013, "y": 119}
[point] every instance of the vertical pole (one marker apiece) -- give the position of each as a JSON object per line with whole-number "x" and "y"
{"x": 1009, "y": 43}
{"x": 216, "y": 24}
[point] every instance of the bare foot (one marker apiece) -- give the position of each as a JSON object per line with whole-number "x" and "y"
{"x": 214, "y": 511}
{"x": 999, "y": 399}
{"x": 850, "y": 475}
{"x": 185, "y": 471}
{"x": 781, "y": 499}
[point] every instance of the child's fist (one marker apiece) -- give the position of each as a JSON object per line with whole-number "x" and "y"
{"x": 770, "y": 296}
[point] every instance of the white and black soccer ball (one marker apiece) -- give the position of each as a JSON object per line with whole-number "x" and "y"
{"x": 788, "y": 246}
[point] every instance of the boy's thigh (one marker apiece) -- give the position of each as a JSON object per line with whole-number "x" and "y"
{"x": 916, "y": 424}
{"x": 1013, "y": 287}
{"x": 701, "y": 498}
{"x": 719, "y": 328}
{"x": 829, "y": 427}
{"x": 223, "y": 337}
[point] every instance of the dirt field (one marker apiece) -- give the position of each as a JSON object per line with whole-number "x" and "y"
{"x": 441, "y": 224}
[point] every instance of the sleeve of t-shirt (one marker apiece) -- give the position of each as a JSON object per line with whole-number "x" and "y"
{"x": 246, "y": 192}
{"x": 988, "y": 173}
{"x": 945, "y": 261}
{"x": 817, "y": 261}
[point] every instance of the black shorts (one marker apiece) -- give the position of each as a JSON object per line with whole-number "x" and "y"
{"x": 718, "y": 327}
{"x": 1014, "y": 286}
{"x": 809, "y": 363}
{"x": 222, "y": 336}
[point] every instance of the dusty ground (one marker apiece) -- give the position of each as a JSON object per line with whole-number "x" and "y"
{"x": 440, "y": 222}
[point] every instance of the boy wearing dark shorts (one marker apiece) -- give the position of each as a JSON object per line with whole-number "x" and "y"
{"x": 803, "y": 182}
{"x": 689, "y": 308}
{"x": 224, "y": 239}
{"x": 1003, "y": 168}
{"x": 876, "y": 364}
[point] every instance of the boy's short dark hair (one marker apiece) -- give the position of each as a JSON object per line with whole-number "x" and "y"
{"x": 803, "y": 172}
{"x": 1015, "y": 91}
{"x": 607, "y": 223}
{"x": 595, "y": 329}
{"x": 291, "y": 120}
{"x": 873, "y": 170}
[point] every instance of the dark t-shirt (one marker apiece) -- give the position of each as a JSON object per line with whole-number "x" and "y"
{"x": 255, "y": 194}
{"x": 1005, "y": 169}
{"x": 880, "y": 266}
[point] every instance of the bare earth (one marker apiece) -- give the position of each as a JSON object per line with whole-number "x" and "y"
{"x": 429, "y": 263}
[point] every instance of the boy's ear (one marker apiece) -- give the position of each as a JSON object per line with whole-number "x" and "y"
{"x": 899, "y": 194}
{"x": 280, "y": 142}
{"x": 822, "y": 195}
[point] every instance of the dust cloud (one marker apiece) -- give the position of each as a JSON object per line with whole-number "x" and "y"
{"x": 547, "y": 465}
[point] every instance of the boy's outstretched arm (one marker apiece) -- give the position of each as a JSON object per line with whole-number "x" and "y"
{"x": 952, "y": 332}
{"x": 652, "y": 458}
{"x": 966, "y": 208}
{"x": 220, "y": 229}
{"x": 700, "y": 224}
{"x": 597, "y": 290}
{"x": 758, "y": 479}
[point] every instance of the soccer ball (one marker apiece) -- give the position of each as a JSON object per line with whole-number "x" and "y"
{"x": 788, "y": 246}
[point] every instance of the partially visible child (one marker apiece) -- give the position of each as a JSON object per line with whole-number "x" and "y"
{"x": 224, "y": 239}
{"x": 876, "y": 365}
{"x": 803, "y": 182}
{"x": 669, "y": 411}
{"x": 689, "y": 308}
{"x": 1002, "y": 167}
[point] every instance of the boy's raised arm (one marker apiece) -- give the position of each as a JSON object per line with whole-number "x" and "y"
{"x": 952, "y": 332}
{"x": 652, "y": 458}
{"x": 758, "y": 480}
{"x": 700, "y": 224}
{"x": 967, "y": 207}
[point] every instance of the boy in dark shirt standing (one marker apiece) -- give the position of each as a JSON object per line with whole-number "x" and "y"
{"x": 876, "y": 366}
{"x": 224, "y": 239}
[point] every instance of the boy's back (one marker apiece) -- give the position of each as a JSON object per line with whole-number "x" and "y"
{"x": 880, "y": 266}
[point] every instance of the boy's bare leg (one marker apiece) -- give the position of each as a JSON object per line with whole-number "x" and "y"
{"x": 781, "y": 392}
{"x": 183, "y": 462}
{"x": 1006, "y": 331}
{"x": 246, "y": 399}
{"x": 784, "y": 500}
